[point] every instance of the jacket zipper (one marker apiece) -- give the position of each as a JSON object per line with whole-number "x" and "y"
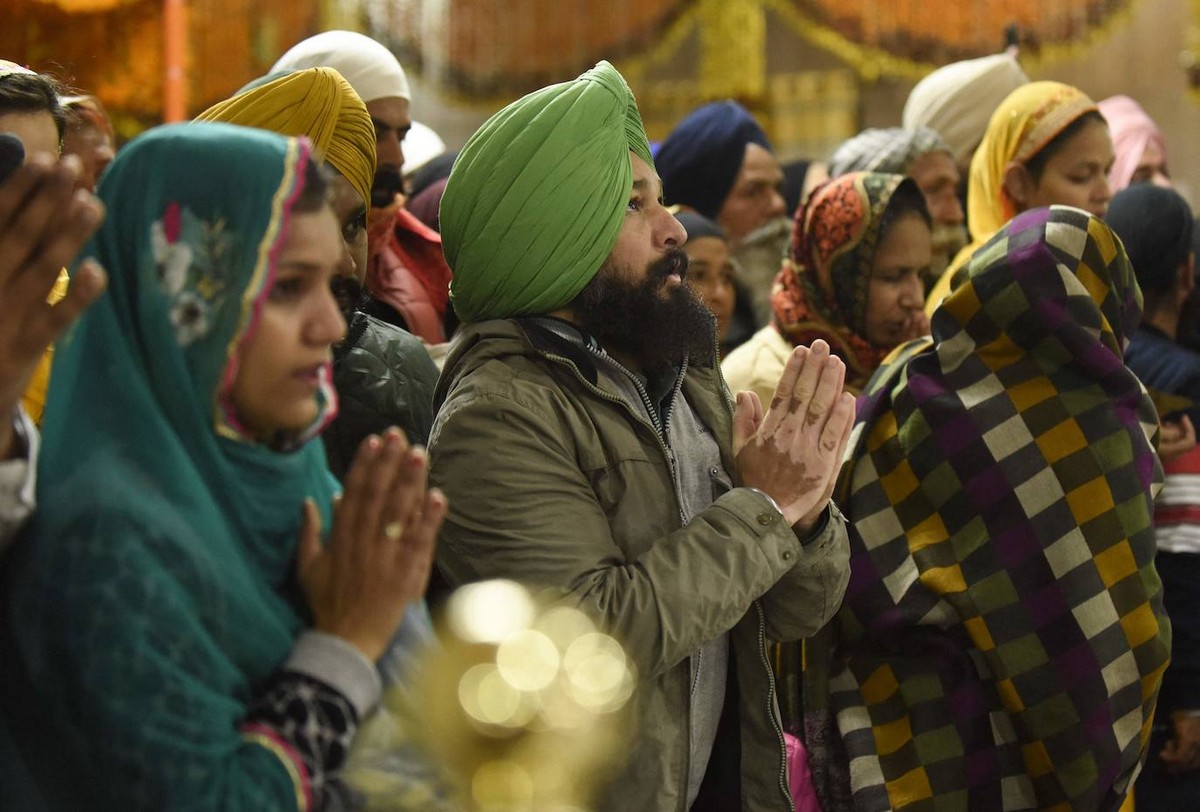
{"x": 765, "y": 659}
{"x": 653, "y": 423}
{"x": 659, "y": 432}
{"x": 663, "y": 430}
{"x": 763, "y": 655}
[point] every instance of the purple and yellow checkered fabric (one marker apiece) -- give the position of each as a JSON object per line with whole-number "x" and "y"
{"x": 1003, "y": 637}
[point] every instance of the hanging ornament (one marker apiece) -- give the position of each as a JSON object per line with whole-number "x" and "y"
{"x": 902, "y": 38}
{"x": 733, "y": 49}
{"x": 87, "y": 6}
{"x": 1189, "y": 58}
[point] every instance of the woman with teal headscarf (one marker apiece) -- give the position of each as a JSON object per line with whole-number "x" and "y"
{"x": 174, "y": 635}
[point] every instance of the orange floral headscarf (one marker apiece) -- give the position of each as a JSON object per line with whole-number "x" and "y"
{"x": 821, "y": 288}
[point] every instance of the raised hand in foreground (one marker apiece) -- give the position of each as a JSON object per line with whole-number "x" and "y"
{"x": 380, "y": 549}
{"x": 44, "y": 221}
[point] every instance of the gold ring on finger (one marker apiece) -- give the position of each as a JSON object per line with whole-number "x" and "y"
{"x": 392, "y": 531}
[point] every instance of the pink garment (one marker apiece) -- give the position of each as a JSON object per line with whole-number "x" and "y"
{"x": 410, "y": 273}
{"x": 424, "y": 205}
{"x": 1132, "y": 129}
{"x": 799, "y": 778}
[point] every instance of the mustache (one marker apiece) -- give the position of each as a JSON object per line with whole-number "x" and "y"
{"x": 387, "y": 184}
{"x": 674, "y": 262}
{"x": 947, "y": 238}
{"x": 769, "y": 232}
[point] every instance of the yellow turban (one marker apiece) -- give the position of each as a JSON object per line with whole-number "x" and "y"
{"x": 317, "y": 103}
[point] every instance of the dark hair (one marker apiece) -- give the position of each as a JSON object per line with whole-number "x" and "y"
{"x": 1036, "y": 165}
{"x": 33, "y": 93}
{"x": 84, "y": 112}
{"x": 1156, "y": 227}
{"x": 906, "y": 201}
{"x": 795, "y": 173}
{"x": 315, "y": 193}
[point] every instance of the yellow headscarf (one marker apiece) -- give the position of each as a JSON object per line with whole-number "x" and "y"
{"x": 317, "y": 103}
{"x": 1024, "y": 123}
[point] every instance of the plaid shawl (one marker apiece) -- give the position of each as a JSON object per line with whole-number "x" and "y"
{"x": 1002, "y": 638}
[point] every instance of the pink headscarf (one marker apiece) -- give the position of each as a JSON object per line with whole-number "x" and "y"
{"x": 1132, "y": 129}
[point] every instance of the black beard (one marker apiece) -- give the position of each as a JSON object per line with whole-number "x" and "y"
{"x": 387, "y": 184}
{"x": 655, "y": 326}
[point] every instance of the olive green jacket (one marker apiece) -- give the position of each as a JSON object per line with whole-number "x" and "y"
{"x": 554, "y": 481}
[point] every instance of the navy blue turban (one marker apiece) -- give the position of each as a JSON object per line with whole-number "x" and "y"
{"x": 699, "y": 161}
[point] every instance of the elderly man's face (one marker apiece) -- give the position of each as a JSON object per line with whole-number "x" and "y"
{"x": 756, "y": 198}
{"x": 937, "y": 177}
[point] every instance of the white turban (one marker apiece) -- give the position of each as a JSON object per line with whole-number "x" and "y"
{"x": 421, "y": 146}
{"x": 9, "y": 68}
{"x": 957, "y": 101}
{"x": 371, "y": 69}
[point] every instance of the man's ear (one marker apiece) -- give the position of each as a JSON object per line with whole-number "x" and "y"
{"x": 1018, "y": 184}
{"x": 1187, "y": 275}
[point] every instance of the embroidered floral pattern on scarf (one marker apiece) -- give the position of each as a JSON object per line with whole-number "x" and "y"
{"x": 189, "y": 255}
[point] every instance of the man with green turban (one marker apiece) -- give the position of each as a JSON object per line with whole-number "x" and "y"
{"x": 530, "y": 213}
{"x": 588, "y": 445}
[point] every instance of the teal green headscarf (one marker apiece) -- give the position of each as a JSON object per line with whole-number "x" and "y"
{"x": 537, "y": 196}
{"x": 151, "y": 597}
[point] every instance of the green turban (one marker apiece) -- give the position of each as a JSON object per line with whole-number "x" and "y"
{"x": 537, "y": 196}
